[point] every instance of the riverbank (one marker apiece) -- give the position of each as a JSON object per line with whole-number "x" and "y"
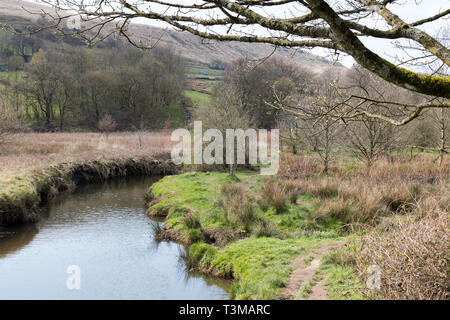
{"x": 228, "y": 237}
{"x": 36, "y": 167}
{"x": 20, "y": 204}
{"x": 305, "y": 235}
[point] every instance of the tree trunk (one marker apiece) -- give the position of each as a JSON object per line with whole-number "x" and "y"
{"x": 232, "y": 170}
{"x": 443, "y": 137}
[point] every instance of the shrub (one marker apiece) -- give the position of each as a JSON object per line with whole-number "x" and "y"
{"x": 413, "y": 256}
{"x": 107, "y": 124}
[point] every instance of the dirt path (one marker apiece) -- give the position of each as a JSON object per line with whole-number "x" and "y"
{"x": 302, "y": 274}
{"x": 319, "y": 292}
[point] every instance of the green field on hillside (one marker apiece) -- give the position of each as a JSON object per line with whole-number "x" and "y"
{"x": 198, "y": 98}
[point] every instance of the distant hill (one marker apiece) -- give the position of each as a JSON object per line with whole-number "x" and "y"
{"x": 18, "y": 13}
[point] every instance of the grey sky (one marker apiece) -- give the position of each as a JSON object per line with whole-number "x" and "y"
{"x": 408, "y": 10}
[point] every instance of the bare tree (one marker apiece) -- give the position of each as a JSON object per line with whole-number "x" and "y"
{"x": 226, "y": 112}
{"x": 253, "y": 83}
{"x": 42, "y": 86}
{"x": 320, "y": 132}
{"x": 440, "y": 118}
{"x": 369, "y": 138}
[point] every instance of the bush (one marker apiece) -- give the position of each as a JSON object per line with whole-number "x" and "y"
{"x": 413, "y": 256}
{"x": 107, "y": 124}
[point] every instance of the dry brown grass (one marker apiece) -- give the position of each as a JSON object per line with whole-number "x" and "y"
{"x": 402, "y": 207}
{"x": 292, "y": 166}
{"x": 277, "y": 194}
{"x": 36, "y": 150}
{"x": 421, "y": 169}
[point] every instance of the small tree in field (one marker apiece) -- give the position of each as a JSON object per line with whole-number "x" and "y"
{"x": 107, "y": 124}
{"x": 226, "y": 112}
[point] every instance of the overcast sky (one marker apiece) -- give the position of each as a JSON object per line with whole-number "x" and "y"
{"x": 408, "y": 10}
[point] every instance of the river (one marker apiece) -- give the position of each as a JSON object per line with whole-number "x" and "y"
{"x": 97, "y": 243}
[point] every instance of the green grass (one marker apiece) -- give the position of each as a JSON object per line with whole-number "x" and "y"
{"x": 306, "y": 288}
{"x": 199, "y": 193}
{"x": 193, "y": 192}
{"x": 198, "y": 98}
{"x": 261, "y": 266}
{"x": 341, "y": 281}
{"x": 11, "y": 75}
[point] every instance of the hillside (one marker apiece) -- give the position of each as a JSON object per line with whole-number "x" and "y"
{"x": 18, "y": 12}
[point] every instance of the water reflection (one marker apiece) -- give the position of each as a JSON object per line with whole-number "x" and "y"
{"x": 102, "y": 229}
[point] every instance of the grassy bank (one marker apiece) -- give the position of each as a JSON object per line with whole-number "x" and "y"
{"x": 35, "y": 167}
{"x": 18, "y": 204}
{"x": 292, "y": 235}
{"x": 234, "y": 233}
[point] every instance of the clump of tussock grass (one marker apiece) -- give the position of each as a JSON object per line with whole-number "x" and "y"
{"x": 361, "y": 201}
{"x": 192, "y": 221}
{"x": 236, "y": 205}
{"x": 265, "y": 229}
{"x": 194, "y": 232}
{"x": 278, "y": 193}
{"x": 232, "y": 197}
{"x": 246, "y": 216}
{"x": 421, "y": 169}
{"x": 323, "y": 188}
{"x": 400, "y": 196}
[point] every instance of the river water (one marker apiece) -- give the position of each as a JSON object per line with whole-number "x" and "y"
{"x": 97, "y": 243}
